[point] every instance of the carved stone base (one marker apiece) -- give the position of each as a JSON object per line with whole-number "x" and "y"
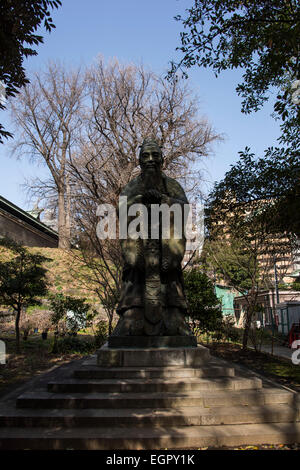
{"x": 133, "y": 322}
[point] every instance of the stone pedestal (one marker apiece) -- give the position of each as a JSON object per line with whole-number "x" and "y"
{"x": 152, "y": 342}
{"x": 155, "y": 351}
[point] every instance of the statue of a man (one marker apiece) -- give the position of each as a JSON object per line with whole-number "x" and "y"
{"x": 152, "y": 301}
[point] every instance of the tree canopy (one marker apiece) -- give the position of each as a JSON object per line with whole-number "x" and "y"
{"x": 245, "y": 220}
{"x": 262, "y": 37}
{"x": 19, "y": 21}
{"x": 270, "y": 183}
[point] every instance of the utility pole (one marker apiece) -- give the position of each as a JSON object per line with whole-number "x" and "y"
{"x": 277, "y": 299}
{"x": 276, "y": 282}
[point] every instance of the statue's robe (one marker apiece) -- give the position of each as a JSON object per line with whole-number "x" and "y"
{"x": 172, "y": 251}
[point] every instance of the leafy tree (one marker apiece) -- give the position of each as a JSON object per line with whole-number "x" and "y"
{"x": 273, "y": 180}
{"x": 244, "y": 237}
{"x": 236, "y": 262}
{"x": 262, "y": 37}
{"x": 68, "y": 313}
{"x": 18, "y": 22}
{"x": 22, "y": 281}
{"x": 203, "y": 304}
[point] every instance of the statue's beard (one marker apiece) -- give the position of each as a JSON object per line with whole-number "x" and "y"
{"x": 151, "y": 177}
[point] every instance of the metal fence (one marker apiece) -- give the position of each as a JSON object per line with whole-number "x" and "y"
{"x": 280, "y": 318}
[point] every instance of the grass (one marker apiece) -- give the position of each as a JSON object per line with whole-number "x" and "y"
{"x": 62, "y": 269}
{"x": 281, "y": 370}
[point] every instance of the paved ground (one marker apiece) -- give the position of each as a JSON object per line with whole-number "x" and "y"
{"x": 281, "y": 351}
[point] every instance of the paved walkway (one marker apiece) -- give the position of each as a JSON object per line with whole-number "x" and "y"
{"x": 281, "y": 351}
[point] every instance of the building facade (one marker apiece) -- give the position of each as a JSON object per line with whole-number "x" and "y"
{"x": 24, "y": 228}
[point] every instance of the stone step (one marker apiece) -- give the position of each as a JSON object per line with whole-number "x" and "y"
{"x": 153, "y": 385}
{"x": 105, "y": 438}
{"x": 96, "y": 372}
{"x": 188, "y": 416}
{"x": 41, "y": 399}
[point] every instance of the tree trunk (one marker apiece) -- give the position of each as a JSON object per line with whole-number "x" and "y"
{"x": 63, "y": 239}
{"x": 17, "y": 328}
{"x": 110, "y": 320}
{"x": 247, "y": 328}
{"x": 68, "y": 211}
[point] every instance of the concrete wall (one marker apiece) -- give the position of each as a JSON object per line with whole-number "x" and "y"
{"x": 24, "y": 233}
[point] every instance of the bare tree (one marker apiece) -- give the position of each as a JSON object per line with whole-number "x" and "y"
{"x": 88, "y": 130}
{"x": 129, "y": 103}
{"x": 47, "y": 120}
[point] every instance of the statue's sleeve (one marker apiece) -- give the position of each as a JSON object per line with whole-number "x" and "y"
{"x": 132, "y": 250}
{"x": 173, "y": 249}
{"x": 174, "y": 192}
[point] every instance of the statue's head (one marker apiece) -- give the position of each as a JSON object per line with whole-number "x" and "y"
{"x": 150, "y": 155}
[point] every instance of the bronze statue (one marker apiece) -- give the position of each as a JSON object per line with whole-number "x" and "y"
{"x": 152, "y": 301}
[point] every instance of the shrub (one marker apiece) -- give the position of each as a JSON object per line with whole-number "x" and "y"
{"x": 230, "y": 332}
{"x": 71, "y": 344}
{"x": 203, "y": 304}
{"x": 101, "y": 333}
{"x": 69, "y": 314}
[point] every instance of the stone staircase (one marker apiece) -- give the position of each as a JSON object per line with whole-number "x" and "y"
{"x": 158, "y": 407}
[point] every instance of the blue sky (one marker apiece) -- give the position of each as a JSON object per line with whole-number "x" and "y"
{"x": 145, "y": 32}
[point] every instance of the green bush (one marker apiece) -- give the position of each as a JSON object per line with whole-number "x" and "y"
{"x": 68, "y": 313}
{"x": 203, "y": 305}
{"x": 231, "y": 332}
{"x": 101, "y": 333}
{"x": 71, "y": 344}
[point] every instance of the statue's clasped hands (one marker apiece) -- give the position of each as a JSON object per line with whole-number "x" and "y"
{"x": 153, "y": 196}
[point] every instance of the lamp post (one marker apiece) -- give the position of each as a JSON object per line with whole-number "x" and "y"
{"x": 276, "y": 282}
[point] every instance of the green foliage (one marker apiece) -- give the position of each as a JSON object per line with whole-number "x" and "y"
{"x": 261, "y": 37}
{"x": 32, "y": 308}
{"x": 268, "y": 187}
{"x": 224, "y": 331}
{"x": 101, "y": 333}
{"x": 18, "y": 22}
{"x": 71, "y": 344}
{"x": 295, "y": 285}
{"x": 234, "y": 262}
{"x": 230, "y": 332}
{"x": 69, "y": 314}
{"x": 22, "y": 278}
{"x": 237, "y": 263}
{"x": 243, "y": 210}
{"x": 203, "y": 304}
